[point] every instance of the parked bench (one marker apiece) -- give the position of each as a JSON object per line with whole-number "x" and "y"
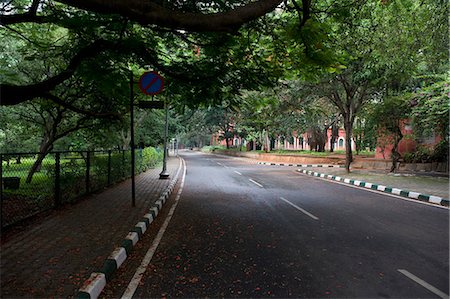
{"x": 11, "y": 182}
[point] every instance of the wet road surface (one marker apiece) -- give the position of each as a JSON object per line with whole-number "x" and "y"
{"x": 246, "y": 230}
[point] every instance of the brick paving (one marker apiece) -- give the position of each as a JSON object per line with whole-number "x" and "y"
{"x": 54, "y": 257}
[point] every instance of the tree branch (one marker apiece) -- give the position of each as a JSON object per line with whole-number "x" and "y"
{"x": 59, "y": 101}
{"x": 14, "y": 94}
{"x": 148, "y": 12}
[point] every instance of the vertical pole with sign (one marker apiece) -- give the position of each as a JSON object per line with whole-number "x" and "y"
{"x": 152, "y": 83}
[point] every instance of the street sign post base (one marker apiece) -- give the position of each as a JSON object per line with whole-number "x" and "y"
{"x": 164, "y": 175}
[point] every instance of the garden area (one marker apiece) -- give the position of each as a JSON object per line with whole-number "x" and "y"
{"x": 63, "y": 177}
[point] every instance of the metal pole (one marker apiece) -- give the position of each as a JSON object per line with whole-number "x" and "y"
{"x": 133, "y": 183}
{"x": 164, "y": 174}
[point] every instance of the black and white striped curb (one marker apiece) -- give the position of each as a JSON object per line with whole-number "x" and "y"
{"x": 302, "y": 165}
{"x": 405, "y": 193}
{"x": 95, "y": 284}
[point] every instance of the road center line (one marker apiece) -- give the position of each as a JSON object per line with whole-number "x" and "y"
{"x": 423, "y": 283}
{"x": 256, "y": 183}
{"x": 238, "y": 172}
{"x": 300, "y": 209}
{"x": 134, "y": 283}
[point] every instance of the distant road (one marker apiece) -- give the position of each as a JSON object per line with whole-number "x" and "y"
{"x": 247, "y": 230}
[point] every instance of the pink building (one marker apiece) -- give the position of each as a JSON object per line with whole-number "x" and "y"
{"x": 301, "y": 142}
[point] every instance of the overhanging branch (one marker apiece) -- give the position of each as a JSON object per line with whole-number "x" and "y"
{"x": 148, "y": 12}
{"x": 15, "y": 94}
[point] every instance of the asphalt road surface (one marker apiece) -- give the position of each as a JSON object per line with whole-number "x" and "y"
{"x": 247, "y": 230}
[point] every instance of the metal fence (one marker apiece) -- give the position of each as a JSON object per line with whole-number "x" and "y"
{"x": 61, "y": 177}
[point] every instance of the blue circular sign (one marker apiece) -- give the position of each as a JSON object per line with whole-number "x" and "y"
{"x": 151, "y": 83}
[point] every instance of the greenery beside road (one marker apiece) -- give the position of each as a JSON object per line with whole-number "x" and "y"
{"x": 75, "y": 180}
{"x": 218, "y": 148}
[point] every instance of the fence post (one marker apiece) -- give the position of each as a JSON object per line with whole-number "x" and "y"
{"x": 109, "y": 167}
{"x": 57, "y": 180}
{"x": 88, "y": 172}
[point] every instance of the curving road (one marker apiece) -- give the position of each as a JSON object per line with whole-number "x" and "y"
{"x": 247, "y": 230}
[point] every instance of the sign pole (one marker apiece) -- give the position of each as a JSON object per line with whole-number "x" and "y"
{"x": 164, "y": 174}
{"x": 133, "y": 182}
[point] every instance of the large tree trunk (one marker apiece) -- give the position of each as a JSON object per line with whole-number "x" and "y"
{"x": 348, "y": 126}
{"x": 395, "y": 154}
{"x": 266, "y": 141}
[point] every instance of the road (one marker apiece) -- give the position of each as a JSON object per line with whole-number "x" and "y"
{"x": 247, "y": 230}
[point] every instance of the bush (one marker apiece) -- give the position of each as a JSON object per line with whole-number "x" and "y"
{"x": 440, "y": 152}
{"x": 426, "y": 155}
{"x": 408, "y": 157}
{"x": 421, "y": 155}
{"x": 211, "y": 148}
{"x": 151, "y": 157}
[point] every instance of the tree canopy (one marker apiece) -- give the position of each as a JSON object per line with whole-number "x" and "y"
{"x": 273, "y": 66}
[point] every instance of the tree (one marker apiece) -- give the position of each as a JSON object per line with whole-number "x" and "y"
{"x": 390, "y": 116}
{"x": 124, "y": 41}
{"x": 56, "y": 122}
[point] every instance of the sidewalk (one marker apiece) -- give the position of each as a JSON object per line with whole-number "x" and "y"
{"x": 425, "y": 184}
{"x": 53, "y": 258}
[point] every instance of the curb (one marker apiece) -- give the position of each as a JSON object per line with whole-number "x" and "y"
{"x": 302, "y": 165}
{"x": 404, "y": 193}
{"x": 95, "y": 284}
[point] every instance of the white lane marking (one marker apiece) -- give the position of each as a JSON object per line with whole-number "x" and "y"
{"x": 134, "y": 283}
{"x": 256, "y": 183}
{"x": 225, "y": 166}
{"x": 238, "y": 172}
{"x": 423, "y": 283}
{"x": 300, "y": 209}
{"x": 219, "y": 163}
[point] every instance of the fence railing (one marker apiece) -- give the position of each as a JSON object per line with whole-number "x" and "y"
{"x": 62, "y": 177}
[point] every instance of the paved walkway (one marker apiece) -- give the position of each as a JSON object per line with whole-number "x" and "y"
{"x": 54, "y": 257}
{"x": 429, "y": 184}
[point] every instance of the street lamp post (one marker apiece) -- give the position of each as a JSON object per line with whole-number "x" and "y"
{"x": 164, "y": 174}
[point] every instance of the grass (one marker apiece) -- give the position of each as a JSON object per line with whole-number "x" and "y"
{"x": 290, "y": 152}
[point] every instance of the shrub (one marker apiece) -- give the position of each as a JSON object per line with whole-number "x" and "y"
{"x": 421, "y": 155}
{"x": 440, "y": 152}
{"x": 151, "y": 157}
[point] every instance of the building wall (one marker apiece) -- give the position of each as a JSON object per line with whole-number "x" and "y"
{"x": 301, "y": 142}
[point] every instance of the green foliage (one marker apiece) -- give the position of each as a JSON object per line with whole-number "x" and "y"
{"x": 441, "y": 151}
{"x": 211, "y": 148}
{"x": 431, "y": 109}
{"x": 420, "y": 155}
{"x": 424, "y": 154}
{"x": 151, "y": 157}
